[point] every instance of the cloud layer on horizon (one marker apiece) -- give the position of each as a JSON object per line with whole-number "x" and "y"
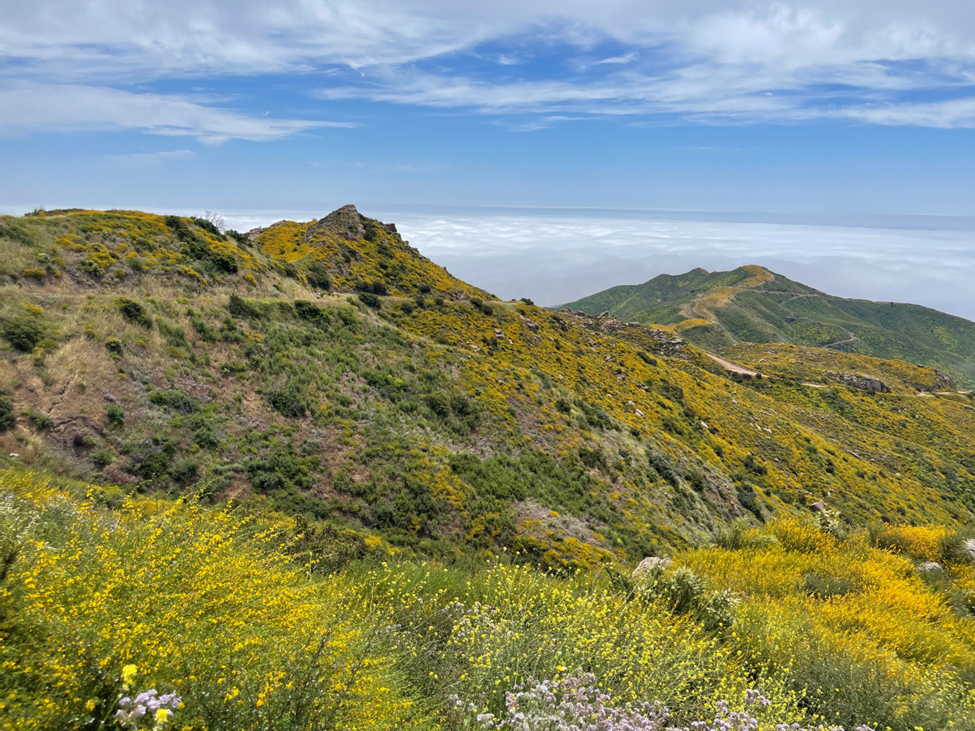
{"x": 559, "y": 259}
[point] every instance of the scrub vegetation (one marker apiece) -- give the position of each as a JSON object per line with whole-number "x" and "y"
{"x": 303, "y": 477}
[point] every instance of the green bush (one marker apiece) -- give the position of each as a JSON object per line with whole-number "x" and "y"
{"x": 288, "y": 402}
{"x": 7, "y": 419}
{"x": 133, "y": 312}
{"x": 370, "y": 300}
{"x": 23, "y": 333}
{"x": 184, "y": 471}
{"x": 239, "y": 307}
{"x": 438, "y": 403}
{"x": 174, "y": 399}
{"x": 114, "y": 346}
{"x": 115, "y": 416}
{"x": 103, "y": 457}
{"x": 317, "y": 275}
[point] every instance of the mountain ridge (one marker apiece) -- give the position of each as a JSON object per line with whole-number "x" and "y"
{"x": 328, "y": 368}
{"x": 716, "y": 310}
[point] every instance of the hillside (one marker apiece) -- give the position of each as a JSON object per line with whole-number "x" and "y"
{"x": 752, "y": 304}
{"x": 360, "y": 493}
{"x": 149, "y": 351}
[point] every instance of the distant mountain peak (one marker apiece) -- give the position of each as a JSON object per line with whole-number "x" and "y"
{"x": 753, "y": 304}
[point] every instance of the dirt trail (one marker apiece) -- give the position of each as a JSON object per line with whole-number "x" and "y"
{"x": 731, "y": 366}
{"x": 852, "y": 339}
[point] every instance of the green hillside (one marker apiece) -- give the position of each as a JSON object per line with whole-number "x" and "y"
{"x": 306, "y": 479}
{"x": 752, "y": 304}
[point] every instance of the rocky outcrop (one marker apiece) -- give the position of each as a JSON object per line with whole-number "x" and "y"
{"x": 651, "y": 564}
{"x": 345, "y": 223}
{"x": 255, "y": 232}
{"x": 945, "y": 382}
{"x": 864, "y": 383}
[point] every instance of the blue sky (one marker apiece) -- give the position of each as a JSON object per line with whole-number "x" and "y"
{"x": 802, "y": 108}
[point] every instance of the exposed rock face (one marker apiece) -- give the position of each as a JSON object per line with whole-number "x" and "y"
{"x": 255, "y": 232}
{"x": 946, "y": 383}
{"x": 864, "y": 383}
{"x": 346, "y": 223}
{"x": 650, "y": 564}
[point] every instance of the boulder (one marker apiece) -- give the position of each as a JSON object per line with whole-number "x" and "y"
{"x": 651, "y": 564}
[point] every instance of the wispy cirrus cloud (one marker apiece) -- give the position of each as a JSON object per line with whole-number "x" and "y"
{"x": 150, "y": 159}
{"x": 702, "y": 60}
{"x": 32, "y": 106}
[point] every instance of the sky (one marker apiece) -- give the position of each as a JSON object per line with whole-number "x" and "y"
{"x": 537, "y": 147}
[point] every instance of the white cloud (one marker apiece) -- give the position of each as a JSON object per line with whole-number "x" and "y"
{"x": 945, "y": 114}
{"x": 150, "y": 159}
{"x": 555, "y": 259}
{"x": 28, "y": 106}
{"x": 706, "y": 59}
{"x": 626, "y": 58}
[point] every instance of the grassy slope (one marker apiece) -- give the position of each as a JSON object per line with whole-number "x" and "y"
{"x": 743, "y": 308}
{"x": 439, "y": 421}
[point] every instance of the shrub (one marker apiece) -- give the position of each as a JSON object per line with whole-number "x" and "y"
{"x": 593, "y": 458}
{"x": 39, "y": 420}
{"x": 7, "y": 419}
{"x": 174, "y": 399}
{"x": 209, "y": 226}
{"x": 102, "y": 457}
{"x": 438, "y": 403}
{"x": 377, "y": 288}
{"x": 317, "y": 275}
{"x": 370, "y": 300}
{"x": 754, "y": 466}
{"x": 114, "y": 346}
{"x": 115, "y": 416}
{"x": 133, "y": 312}
{"x": 288, "y": 402}
{"x": 23, "y": 333}
{"x": 224, "y": 261}
{"x": 184, "y": 471}
{"x": 696, "y": 479}
{"x": 239, "y": 307}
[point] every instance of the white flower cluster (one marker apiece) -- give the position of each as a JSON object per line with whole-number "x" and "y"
{"x": 147, "y": 707}
{"x": 575, "y": 703}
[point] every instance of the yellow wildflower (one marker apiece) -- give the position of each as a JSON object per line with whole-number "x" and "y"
{"x": 128, "y": 674}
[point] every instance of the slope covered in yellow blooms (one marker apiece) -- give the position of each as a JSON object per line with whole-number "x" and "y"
{"x": 303, "y": 478}
{"x": 445, "y": 421}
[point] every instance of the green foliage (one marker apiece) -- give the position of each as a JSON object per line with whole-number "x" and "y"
{"x": 114, "y": 346}
{"x": 370, "y": 300}
{"x": 175, "y": 400}
{"x": 134, "y": 312}
{"x": 116, "y": 417}
{"x": 23, "y": 333}
{"x": 752, "y": 305}
{"x": 288, "y": 402}
{"x": 238, "y": 307}
{"x": 7, "y": 418}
